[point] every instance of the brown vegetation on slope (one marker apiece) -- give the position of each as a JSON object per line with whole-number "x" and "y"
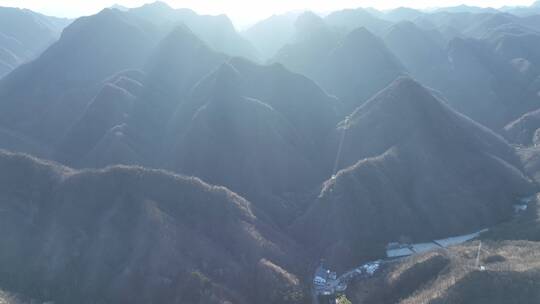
{"x": 413, "y": 168}
{"x": 127, "y": 234}
{"x": 511, "y": 275}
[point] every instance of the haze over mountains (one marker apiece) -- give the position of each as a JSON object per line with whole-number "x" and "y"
{"x": 24, "y": 35}
{"x": 157, "y": 155}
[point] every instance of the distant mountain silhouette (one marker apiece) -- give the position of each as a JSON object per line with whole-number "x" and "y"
{"x": 24, "y": 34}
{"x": 402, "y": 14}
{"x": 90, "y": 50}
{"x": 533, "y": 9}
{"x": 501, "y": 62}
{"x": 413, "y": 168}
{"x": 217, "y": 31}
{"x": 351, "y": 19}
{"x": 313, "y": 40}
{"x": 421, "y": 51}
{"x": 453, "y": 25}
{"x": 467, "y": 9}
{"x": 360, "y": 66}
{"x": 507, "y": 63}
{"x": 486, "y": 24}
{"x": 180, "y": 60}
{"x": 271, "y": 34}
{"x": 352, "y": 68}
{"x": 363, "y": 127}
{"x": 127, "y": 234}
{"x": 119, "y": 7}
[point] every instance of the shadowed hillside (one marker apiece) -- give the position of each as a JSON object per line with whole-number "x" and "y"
{"x": 231, "y": 131}
{"x": 358, "y": 67}
{"x": 90, "y": 50}
{"x": 271, "y": 34}
{"x": 127, "y": 234}
{"x": 188, "y": 172}
{"x": 313, "y": 40}
{"x": 138, "y": 105}
{"x": 413, "y": 168}
{"x": 216, "y": 31}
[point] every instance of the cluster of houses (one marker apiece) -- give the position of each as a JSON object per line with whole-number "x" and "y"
{"x": 326, "y": 282}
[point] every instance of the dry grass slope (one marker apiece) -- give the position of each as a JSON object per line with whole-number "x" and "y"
{"x": 511, "y": 275}
{"x": 129, "y": 234}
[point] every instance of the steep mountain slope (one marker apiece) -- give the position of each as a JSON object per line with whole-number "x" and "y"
{"x": 313, "y": 40}
{"x": 413, "y": 168}
{"x": 503, "y": 66}
{"x": 420, "y": 51}
{"x": 180, "y": 60}
{"x": 302, "y": 102}
{"x": 357, "y": 68}
{"x": 138, "y": 107}
{"x": 452, "y": 25}
{"x": 275, "y": 125}
{"x": 128, "y": 234}
{"x": 217, "y": 31}
{"x": 231, "y": 125}
{"x": 506, "y": 63}
{"x": 108, "y": 110}
{"x": 352, "y": 68}
{"x": 271, "y": 34}
{"x": 90, "y": 50}
{"x": 24, "y": 35}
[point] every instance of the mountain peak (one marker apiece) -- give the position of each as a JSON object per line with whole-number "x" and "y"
{"x": 119, "y": 7}
{"x": 362, "y": 35}
{"x": 404, "y": 98}
{"x": 158, "y": 5}
{"x": 404, "y": 25}
{"x": 226, "y": 85}
{"x": 227, "y": 76}
{"x": 181, "y": 33}
{"x": 407, "y": 109}
{"x": 308, "y": 22}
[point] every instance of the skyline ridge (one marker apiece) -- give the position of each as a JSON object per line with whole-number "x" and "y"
{"x": 245, "y": 13}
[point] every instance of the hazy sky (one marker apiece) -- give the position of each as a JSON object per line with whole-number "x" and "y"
{"x": 243, "y": 11}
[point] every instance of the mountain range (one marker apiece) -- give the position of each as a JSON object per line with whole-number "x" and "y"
{"x": 156, "y": 155}
{"x": 24, "y": 35}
